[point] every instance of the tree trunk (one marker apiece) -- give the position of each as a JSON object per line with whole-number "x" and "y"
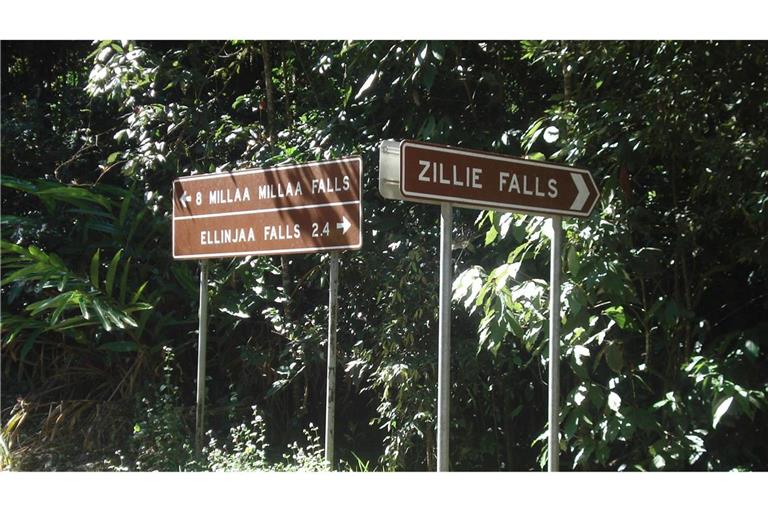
{"x": 429, "y": 442}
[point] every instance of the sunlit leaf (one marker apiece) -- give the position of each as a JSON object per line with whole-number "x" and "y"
{"x": 720, "y": 410}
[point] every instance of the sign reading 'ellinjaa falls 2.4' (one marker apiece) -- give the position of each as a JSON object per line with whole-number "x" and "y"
{"x": 289, "y": 209}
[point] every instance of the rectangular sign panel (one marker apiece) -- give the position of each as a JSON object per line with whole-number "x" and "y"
{"x": 282, "y": 210}
{"x": 480, "y": 179}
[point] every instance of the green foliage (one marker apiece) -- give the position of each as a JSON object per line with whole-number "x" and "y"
{"x": 160, "y": 438}
{"x": 640, "y": 314}
{"x": 248, "y": 451}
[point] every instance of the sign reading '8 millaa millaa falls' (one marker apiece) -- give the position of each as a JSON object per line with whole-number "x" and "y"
{"x": 282, "y": 210}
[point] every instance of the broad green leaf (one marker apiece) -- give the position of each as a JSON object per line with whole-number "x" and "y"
{"x": 491, "y": 235}
{"x": 616, "y": 313}
{"x": 752, "y": 349}
{"x": 124, "y": 208}
{"x": 438, "y": 50}
{"x": 72, "y": 323}
{"x": 84, "y": 309}
{"x": 614, "y": 401}
{"x": 720, "y": 410}
{"x": 114, "y": 317}
{"x": 51, "y": 302}
{"x": 111, "y": 271}
{"x": 367, "y": 84}
{"x": 128, "y": 320}
{"x": 66, "y": 301}
{"x": 580, "y": 353}
{"x": 72, "y": 194}
{"x": 124, "y": 281}
{"x": 138, "y": 292}
{"x": 95, "y": 269}
{"x": 97, "y": 306}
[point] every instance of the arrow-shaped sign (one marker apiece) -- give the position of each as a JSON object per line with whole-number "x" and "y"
{"x": 477, "y": 179}
{"x": 343, "y": 225}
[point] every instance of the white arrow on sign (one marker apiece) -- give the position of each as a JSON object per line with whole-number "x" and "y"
{"x": 583, "y": 191}
{"x": 185, "y": 198}
{"x": 344, "y": 225}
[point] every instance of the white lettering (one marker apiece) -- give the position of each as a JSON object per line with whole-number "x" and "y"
{"x": 468, "y": 177}
{"x": 227, "y": 236}
{"x": 476, "y": 172}
{"x": 552, "y": 183}
{"x": 503, "y": 177}
{"x": 455, "y": 178}
{"x": 225, "y": 196}
{"x": 525, "y": 186}
{"x": 443, "y": 180}
{"x": 514, "y": 184}
{"x": 282, "y": 232}
{"x": 423, "y": 174}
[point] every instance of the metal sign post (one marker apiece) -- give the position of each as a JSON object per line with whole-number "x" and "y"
{"x": 444, "y": 339}
{"x": 330, "y": 393}
{"x": 553, "y": 459}
{"x": 202, "y": 341}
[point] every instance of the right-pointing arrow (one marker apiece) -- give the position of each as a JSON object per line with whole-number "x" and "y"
{"x": 344, "y": 225}
{"x": 583, "y": 192}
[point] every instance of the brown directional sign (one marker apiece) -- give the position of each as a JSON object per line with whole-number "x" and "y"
{"x": 476, "y": 178}
{"x": 282, "y": 210}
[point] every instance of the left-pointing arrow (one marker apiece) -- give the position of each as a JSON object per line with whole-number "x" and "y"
{"x": 185, "y": 198}
{"x": 344, "y": 225}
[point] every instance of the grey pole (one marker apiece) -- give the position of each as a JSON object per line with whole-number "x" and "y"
{"x": 553, "y": 459}
{"x": 330, "y": 392}
{"x": 444, "y": 338}
{"x": 202, "y": 341}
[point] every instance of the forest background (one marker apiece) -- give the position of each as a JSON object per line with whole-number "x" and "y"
{"x": 665, "y": 295}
